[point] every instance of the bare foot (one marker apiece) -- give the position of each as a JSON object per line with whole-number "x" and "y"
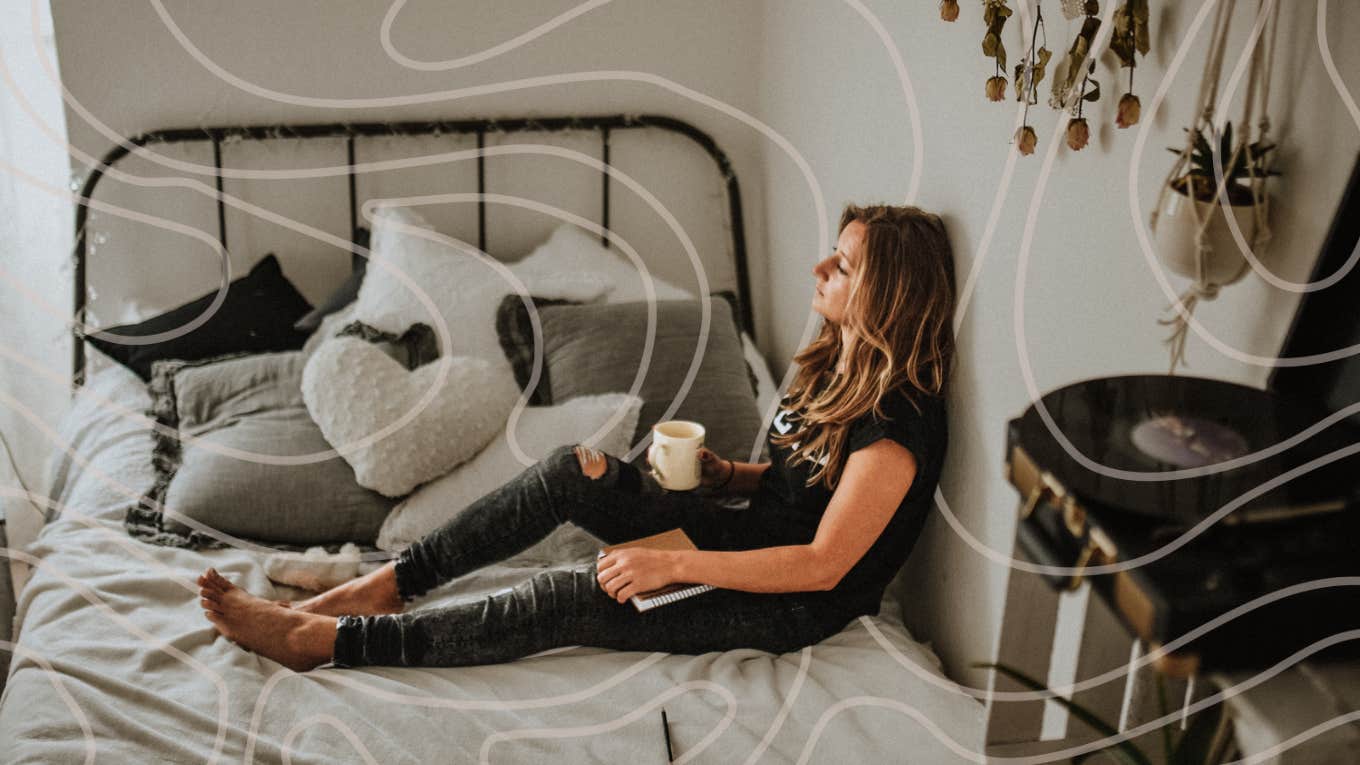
{"x": 372, "y": 593}
{"x": 297, "y": 640}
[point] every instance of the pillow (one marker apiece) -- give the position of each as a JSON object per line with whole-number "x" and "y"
{"x": 539, "y": 431}
{"x": 345, "y": 293}
{"x": 353, "y": 390}
{"x": 329, "y": 327}
{"x": 250, "y": 403}
{"x": 572, "y": 250}
{"x": 464, "y": 288}
{"x": 257, "y": 315}
{"x": 598, "y": 348}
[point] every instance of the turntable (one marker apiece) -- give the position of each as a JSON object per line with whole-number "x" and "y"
{"x": 1186, "y": 500}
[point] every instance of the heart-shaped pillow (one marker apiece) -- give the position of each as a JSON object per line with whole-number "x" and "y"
{"x": 352, "y": 390}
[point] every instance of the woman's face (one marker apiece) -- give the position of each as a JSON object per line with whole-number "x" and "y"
{"x": 835, "y": 271}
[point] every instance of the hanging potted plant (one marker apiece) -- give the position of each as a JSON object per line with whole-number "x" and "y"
{"x": 1177, "y": 225}
{"x": 1215, "y": 176}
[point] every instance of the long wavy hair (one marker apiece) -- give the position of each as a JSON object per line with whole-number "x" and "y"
{"x": 900, "y": 313}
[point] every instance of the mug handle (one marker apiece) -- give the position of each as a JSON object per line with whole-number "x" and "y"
{"x": 656, "y": 471}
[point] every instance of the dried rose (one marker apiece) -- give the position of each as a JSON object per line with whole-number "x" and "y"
{"x": 996, "y": 88}
{"x": 949, "y": 9}
{"x": 1078, "y": 134}
{"x": 1129, "y": 110}
{"x": 1026, "y": 139}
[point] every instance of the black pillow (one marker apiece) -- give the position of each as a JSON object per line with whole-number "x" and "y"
{"x": 256, "y": 316}
{"x": 344, "y": 294}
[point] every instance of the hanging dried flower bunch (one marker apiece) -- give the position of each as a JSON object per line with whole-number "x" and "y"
{"x": 1028, "y": 73}
{"x": 995, "y": 13}
{"x": 1130, "y": 37}
{"x": 1073, "y": 86}
{"x": 1070, "y": 66}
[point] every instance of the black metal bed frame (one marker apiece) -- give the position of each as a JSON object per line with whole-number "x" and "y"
{"x": 351, "y": 131}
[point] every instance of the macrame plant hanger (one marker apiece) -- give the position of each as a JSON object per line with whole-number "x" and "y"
{"x": 1178, "y": 313}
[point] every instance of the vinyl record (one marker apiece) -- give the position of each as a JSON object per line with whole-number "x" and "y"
{"x": 1160, "y": 424}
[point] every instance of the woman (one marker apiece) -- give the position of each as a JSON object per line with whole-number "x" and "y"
{"x": 855, "y": 458}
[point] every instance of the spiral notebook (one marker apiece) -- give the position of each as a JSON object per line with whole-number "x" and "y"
{"x": 675, "y": 539}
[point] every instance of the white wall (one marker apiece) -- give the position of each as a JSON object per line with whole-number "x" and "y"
{"x": 816, "y": 71}
{"x": 35, "y": 243}
{"x": 125, "y": 69}
{"x": 1089, "y": 299}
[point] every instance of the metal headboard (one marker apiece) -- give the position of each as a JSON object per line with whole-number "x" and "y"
{"x": 351, "y": 131}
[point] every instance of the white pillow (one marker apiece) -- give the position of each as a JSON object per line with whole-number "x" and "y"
{"x": 464, "y": 288}
{"x": 572, "y": 250}
{"x": 539, "y": 430}
{"x": 353, "y": 390}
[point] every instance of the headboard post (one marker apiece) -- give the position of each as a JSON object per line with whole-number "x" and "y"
{"x": 604, "y": 188}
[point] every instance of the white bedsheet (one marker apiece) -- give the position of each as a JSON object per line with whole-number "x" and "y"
{"x": 114, "y": 658}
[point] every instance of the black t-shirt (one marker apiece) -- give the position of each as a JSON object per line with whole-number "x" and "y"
{"x": 791, "y": 510}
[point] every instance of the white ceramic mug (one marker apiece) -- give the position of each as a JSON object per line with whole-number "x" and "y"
{"x": 674, "y": 454}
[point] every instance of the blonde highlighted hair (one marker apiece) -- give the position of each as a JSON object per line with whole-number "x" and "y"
{"x": 900, "y": 313}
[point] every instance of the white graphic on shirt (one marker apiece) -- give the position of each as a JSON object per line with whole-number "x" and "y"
{"x": 782, "y": 424}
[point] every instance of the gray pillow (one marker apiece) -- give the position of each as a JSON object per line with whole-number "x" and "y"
{"x": 598, "y": 348}
{"x": 251, "y": 404}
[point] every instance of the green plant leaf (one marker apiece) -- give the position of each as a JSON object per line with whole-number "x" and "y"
{"x": 1206, "y": 153}
{"x": 1124, "y": 751}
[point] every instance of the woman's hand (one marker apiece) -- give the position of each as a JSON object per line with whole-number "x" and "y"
{"x": 624, "y": 573}
{"x": 714, "y": 470}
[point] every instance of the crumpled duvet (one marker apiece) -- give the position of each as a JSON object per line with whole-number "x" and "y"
{"x": 115, "y": 663}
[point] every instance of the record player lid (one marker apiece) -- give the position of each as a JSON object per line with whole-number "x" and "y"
{"x": 1181, "y": 448}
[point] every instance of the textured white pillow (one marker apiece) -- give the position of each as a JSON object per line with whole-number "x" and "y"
{"x": 540, "y": 429}
{"x": 352, "y": 389}
{"x": 572, "y": 250}
{"x": 464, "y": 288}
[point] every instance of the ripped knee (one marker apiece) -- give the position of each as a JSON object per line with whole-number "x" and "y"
{"x": 592, "y": 461}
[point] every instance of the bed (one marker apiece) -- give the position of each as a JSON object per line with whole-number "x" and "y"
{"x": 114, "y": 662}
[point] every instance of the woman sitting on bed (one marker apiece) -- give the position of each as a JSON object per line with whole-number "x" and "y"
{"x": 856, "y": 455}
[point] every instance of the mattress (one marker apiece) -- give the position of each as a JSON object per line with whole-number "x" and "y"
{"x": 114, "y": 662}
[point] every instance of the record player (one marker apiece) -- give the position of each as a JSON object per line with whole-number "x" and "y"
{"x": 1187, "y": 501}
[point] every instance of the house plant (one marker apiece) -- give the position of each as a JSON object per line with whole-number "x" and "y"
{"x": 1243, "y": 167}
{"x": 1216, "y": 175}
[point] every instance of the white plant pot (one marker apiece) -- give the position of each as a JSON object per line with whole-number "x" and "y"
{"x": 1175, "y": 238}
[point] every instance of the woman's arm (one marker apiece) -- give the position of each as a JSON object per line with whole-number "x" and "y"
{"x": 723, "y": 476}
{"x": 745, "y": 478}
{"x": 790, "y": 568}
{"x": 873, "y": 484}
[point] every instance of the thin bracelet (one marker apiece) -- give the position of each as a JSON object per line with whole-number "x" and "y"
{"x": 730, "y": 473}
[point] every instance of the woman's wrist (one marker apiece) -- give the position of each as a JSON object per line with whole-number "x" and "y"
{"x": 678, "y": 565}
{"x": 731, "y": 471}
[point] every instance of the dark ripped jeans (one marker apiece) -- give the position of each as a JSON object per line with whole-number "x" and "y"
{"x": 566, "y": 606}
